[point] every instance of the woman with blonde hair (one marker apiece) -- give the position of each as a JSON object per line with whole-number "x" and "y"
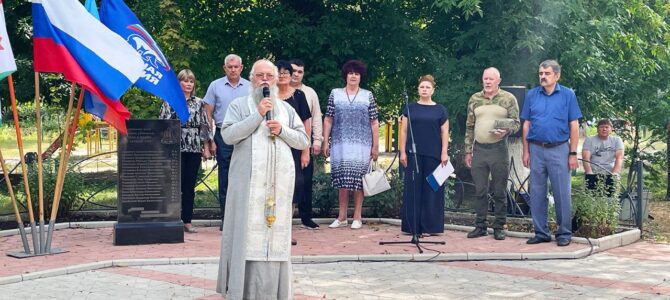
{"x": 195, "y": 140}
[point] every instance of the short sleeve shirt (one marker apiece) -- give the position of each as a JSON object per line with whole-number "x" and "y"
{"x": 603, "y": 152}
{"x": 550, "y": 115}
{"x": 221, "y": 93}
{"x": 427, "y": 121}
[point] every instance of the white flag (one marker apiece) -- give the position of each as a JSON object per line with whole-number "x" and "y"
{"x": 7, "y": 63}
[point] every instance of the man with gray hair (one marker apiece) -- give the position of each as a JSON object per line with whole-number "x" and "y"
{"x": 256, "y": 240}
{"x": 220, "y": 94}
{"x": 550, "y": 136}
{"x": 492, "y": 115}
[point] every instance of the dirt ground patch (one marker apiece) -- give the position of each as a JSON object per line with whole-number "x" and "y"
{"x": 658, "y": 229}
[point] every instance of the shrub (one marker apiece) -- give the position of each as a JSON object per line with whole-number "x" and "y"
{"x": 53, "y": 117}
{"x": 595, "y": 212}
{"x": 323, "y": 194}
{"x": 325, "y": 197}
{"x": 73, "y": 188}
{"x": 387, "y": 204}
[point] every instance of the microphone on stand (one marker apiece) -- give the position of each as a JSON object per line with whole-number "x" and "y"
{"x": 266, "y": 93}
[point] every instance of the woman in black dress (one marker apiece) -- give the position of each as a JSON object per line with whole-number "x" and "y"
{"x": 296, "y": 98}
{"x": 430, "y": 125}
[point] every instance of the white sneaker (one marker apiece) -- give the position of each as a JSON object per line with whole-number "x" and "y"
{"x": 337, "y": 223}
{"x": 356, "y": 224}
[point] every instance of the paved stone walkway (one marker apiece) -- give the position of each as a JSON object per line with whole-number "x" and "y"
{"x": 602, "y": 276}
{"x": 188, "y": 271}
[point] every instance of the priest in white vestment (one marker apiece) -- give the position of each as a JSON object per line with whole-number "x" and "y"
{"x": 256, "y": 242}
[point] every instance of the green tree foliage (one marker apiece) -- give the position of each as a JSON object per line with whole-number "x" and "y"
{"x": 614, "y": 52}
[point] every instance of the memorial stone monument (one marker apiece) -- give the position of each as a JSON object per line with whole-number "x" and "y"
{"x": 149, "y": 193}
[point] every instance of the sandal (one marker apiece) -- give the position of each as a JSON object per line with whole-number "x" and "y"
{"x": 189, "y": 229}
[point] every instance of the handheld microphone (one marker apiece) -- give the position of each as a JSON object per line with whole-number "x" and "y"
{"x": 266, "y": 93}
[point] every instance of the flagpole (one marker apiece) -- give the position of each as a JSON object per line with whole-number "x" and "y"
{"x": 62, "y": 167}
{"x": 75, "y": 122}
{"x": 19, "y": 142}
{"x": 40, "y": 166}
{"x": 17, "y": 213}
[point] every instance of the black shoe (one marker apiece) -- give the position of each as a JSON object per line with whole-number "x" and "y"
{"x": 293, "y": 242}
{"x": 479, "y": 231}
{"x": 498, "y": 234}
{"x": 536, "y": 240}
{"x": 562, "y": 242}
{"x": 309, "y": 224}
{"x": 221, "y": 227}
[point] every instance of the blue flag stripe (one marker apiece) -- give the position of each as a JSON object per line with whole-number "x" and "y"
{"x": 159, "y": 78}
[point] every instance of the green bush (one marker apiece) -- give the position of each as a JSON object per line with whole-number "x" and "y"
{"x": 595, "y": 213}
{"x": 53, "y": 117}
{"x": 73, "y": 188}
{"x": 324, "y": 196}
{"x": 387, "y": 204}
{"x": 141, "y": 105}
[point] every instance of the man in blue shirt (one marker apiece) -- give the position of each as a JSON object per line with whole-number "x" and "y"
{"x": 220, "y": 94}
{"x": 550, "y": 137}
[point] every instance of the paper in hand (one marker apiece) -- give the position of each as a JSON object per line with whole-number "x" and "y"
{"x": 439, "y": 175}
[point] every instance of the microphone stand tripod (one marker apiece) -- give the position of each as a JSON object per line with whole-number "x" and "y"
{"x": 415, "y": 173}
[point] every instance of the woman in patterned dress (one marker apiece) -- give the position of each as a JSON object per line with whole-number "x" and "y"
{"x": 195, "y": 140}
{"x": 351, "y": 121}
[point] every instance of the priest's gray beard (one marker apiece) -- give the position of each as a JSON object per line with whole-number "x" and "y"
{"x": 257, "y": 94}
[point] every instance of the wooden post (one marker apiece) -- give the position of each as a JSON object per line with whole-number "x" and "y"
{"x": 17, "y": 213}
{"x": 75, "y": 123}
{"x": 24, "y": 168}
{"x": 40, "y": 166}
{"x": 61, "y": 171}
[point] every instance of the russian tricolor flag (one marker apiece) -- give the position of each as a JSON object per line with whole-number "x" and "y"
{"x": 68, "y": 40}
{"x": 158, "y": 78}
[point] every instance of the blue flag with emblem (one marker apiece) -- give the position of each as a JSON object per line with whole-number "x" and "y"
{"x": 159, "y": 78}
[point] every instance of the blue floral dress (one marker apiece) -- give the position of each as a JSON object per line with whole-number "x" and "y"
{"x": 351, "y": 136}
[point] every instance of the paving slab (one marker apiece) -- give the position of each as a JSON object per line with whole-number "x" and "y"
{"x": 91, "y": 244}
{"x": 341, "y": 264}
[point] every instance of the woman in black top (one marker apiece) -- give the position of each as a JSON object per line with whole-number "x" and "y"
{"x": 195, "y": 139}
{"x": 296, "y": 98}
{"x": 430, "y": 125}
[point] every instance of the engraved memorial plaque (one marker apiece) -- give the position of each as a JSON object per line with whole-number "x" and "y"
{"x": 149, "y": 188}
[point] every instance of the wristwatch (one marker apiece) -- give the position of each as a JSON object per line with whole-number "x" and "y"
{"x": 572, "y": 153}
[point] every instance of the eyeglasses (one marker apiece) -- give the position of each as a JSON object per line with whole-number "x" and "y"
{"x": 282, "y": 74}
{"x": 268, "y": 76}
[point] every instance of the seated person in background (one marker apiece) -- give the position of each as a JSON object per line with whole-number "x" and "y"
{"x": 602, "y": 154}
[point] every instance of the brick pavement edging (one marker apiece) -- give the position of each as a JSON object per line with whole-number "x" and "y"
{"x": 597, "y": 245}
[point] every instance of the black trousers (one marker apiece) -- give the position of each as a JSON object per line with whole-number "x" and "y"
{"x": 190, "y": 164}
{"x": 305, "y": 205}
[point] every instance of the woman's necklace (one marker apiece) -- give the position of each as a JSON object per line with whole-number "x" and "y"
{"x": 285, "y": 96}
{"x": 351, "y": 101}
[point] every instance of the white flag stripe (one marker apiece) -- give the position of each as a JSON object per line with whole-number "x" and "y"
{"x": 7, "y": 63}
{"x": 70, "y": 16}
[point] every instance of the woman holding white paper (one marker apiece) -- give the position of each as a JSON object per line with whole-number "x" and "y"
{"x": 422, "y": 209}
